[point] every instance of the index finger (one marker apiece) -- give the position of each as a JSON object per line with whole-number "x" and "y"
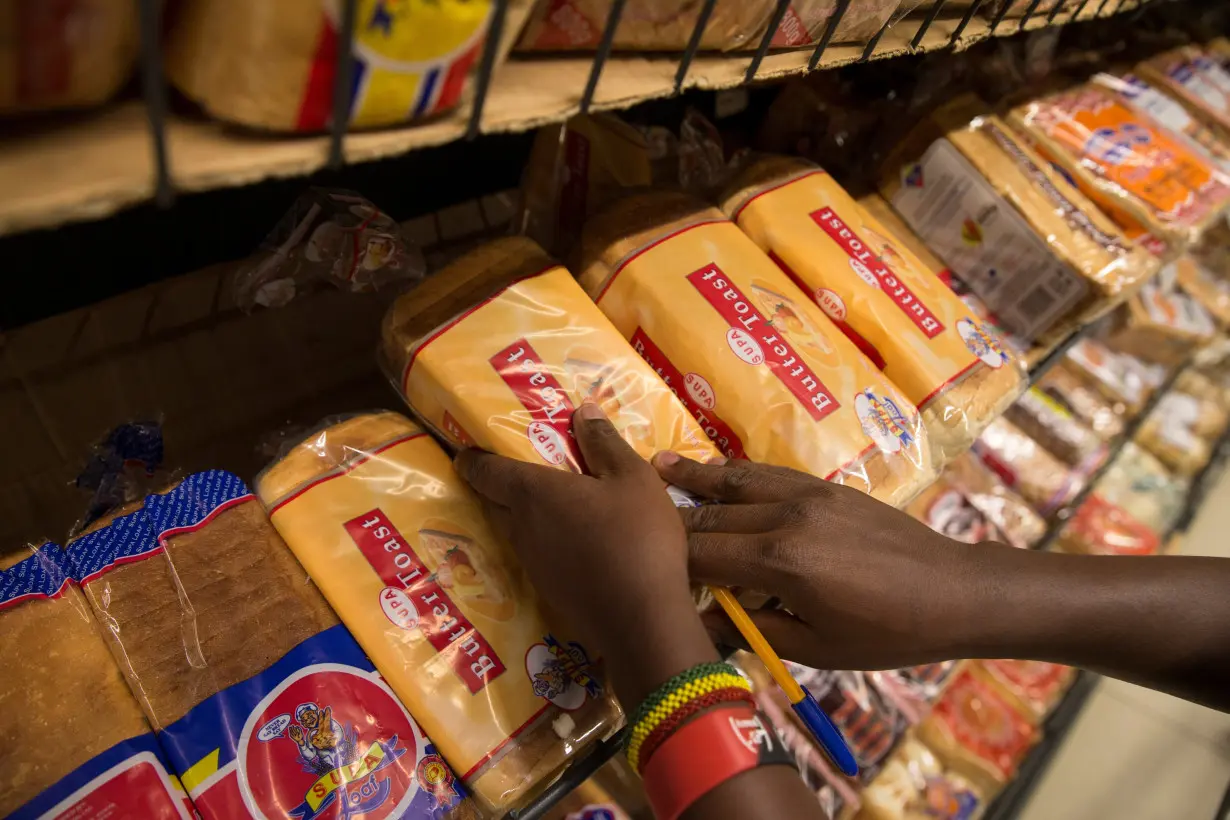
{"x": 503, "y": 480}
{"x": 735, "y": 482}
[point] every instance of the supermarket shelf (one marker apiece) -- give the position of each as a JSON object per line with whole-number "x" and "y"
{"x": 87, "y": 166}
{"x": 1054, "y": 732}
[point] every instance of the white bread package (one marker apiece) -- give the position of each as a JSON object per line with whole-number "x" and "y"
{"x": 399, "y": 546}
{"x": 64, "y": 54}
{"x": 1041, "y": 255}
{"x": 952, "y": 366}
{"x": 271, "y": 65}
{"x": 758, "y": 360}
{"x": 500, "y": 347}
{"x": 75, "y": 742}
{"x": 1153, "y": 175}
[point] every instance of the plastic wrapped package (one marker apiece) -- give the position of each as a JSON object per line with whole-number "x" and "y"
{"x": 1040, "y": 257}
{"x": 1197, "y": 79}
{"x": 1102, "y": 527}
{"x": 1025, "y": 466}
{"x": 915, "y": 786}
{"x": 1037, "y": 686}
{"x": 263, "y": 702}
{"x": 977, "y": 732}
{"x": 1130, "y": 88}
{"x": 915, "y": 688}
{"x": 1154, "y": 176}
{"x": 64, "y": 53}
{"x": 1205, "y": 385}
{"x": 327, "y": 236}
{"x": 446, "y": 614}
{"x": 1137, "y": 481}
{"x": 75, "y": 742}
{"x": 271, "y": 65}
{"x": 1172, "y": 432}
{"x": 1207, "y": 288}
{"x": 499, "y": 348}
{"x": 971, "y": 504}
{"x": 761, "y": 365}
{"x": 1118, "y": 376}
{"x": 570, "y": 25}
{"x": 1105, "y": 417}
{"x": 946, "y": 361}
{"x": 1059, "y": 431}
{"x": 1162, "y": 323}
{"x": 589, "y": 801}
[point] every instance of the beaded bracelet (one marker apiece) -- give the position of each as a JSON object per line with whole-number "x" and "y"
{"x": 701, "y": 681}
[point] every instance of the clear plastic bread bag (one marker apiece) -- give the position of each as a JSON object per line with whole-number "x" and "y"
{"x": 1162, "y": 323}
{"x": 263, "y": 702}
{"x": 1040, "y": 254}
{"x": 1105, "y": 417}
{"x": 914, "y": 785}
{"x": 1107, "y": 146}
{"x": 399, "y": 545}
{"x": 948, "y": 363}
{"x": 64, "y": 55}
{"x": 1208, "y": 287}
{"x": 1137, "y": 481}
{"x": 271, "y": 65}
{"x": 969, "y": 503}
{"x": 1057, "y": 429}
{"x": 774, "y": 380}
{"x": 101, "y": 759}
{"x": 1028, "y": 468}
{"x": 1173, "y": 432}
{"x": 1194, "y": 76}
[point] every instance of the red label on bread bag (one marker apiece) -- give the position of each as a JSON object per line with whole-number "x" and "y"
{"x": 774, "y": 351}
{"x": 550, "y": 408}
{"x": 438, "y": 618}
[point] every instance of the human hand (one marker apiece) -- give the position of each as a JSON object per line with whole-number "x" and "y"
{"x": 607, "y": 551}
{"x": 866, "y": 586}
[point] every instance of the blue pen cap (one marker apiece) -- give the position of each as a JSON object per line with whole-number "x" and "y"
{"x": 829, "y": 736}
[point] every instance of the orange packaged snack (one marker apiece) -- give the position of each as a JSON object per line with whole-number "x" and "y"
{"x": 952, "y": 366}
{"x": 760, "y": 363}
{"x": 1150, "y": 173}
{"x": 400, "y": 548}
{"x": 498, "y": 349}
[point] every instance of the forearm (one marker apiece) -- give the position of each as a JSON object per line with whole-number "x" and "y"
{"x": 1162, "y": 622}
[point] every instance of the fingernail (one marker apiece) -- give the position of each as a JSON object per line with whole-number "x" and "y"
{"x": 589, "y": 409}
{"x": 666, "y": 458}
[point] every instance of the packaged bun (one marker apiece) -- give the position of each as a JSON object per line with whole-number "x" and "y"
{"x": 977, "y": 732}
{"x": 1152, "y": 175}
{"x": 64, "y": 55}
{"x": 500, "y": 347}
{"x": 263, "y": 701}
{"x": 75, "y": 742}
{"x": 946, "y": 361}
{"x": 1104, "y": 416}
{"x": 759, "y": 361}
{"x": 1041, "y": 257}
{"x": 271, "y": 65}
{"x": 1026, "y": 466}
{"x": 969, "y": 503}
{"x": 915, "y": 786}
{"x": 1036, "y": 686}
{"x": 446, "y": 614}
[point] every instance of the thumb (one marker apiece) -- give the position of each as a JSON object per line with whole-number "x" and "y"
{"x": 605, "y": 451}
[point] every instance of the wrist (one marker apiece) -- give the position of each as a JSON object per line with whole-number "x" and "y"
{"x": 982, "y": 602}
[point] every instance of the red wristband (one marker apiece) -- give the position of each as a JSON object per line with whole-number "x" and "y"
{"x": 705, "y": 753}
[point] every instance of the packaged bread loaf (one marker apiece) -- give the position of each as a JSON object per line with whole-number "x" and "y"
{"x": 914, "y": 689}
{"x": 272, "y": 65}
{"x": 970, "y": 504}
{"x": 1057, "y": 429}
{"x": 1132, "y": 89}
{"x": 64, "y": 54}
{"x": 399, "y": 546}
{"x": 915, "y": 786}
{"x": 950, "y": 365}
{"x": 263, "y": 701}
{"x": 1209, "y": 289}
{"x": 806, "y": 21}
{"x": 1120, "y": 377}
{"x": 644, "y": 25}
{"x": 1101, "y": 527}
{"x": 1172, "y": 432}
{"x": 1162, "y": 323}
{"x": 1105, "y": 417}
{"x": 75, "y": 742}
{"x": 499, "y": 348}
{"x": 1035, "y": 686}
{"x": 1040, "y": 257}
{"x": 1197, "y": 79}
{"x": 1137, "y": 481}
{"x": 1026, "y": 466}
{"x": 976, "y": 731}
{"x": 1152, "y": 175}
{"x": 707, "y": 308}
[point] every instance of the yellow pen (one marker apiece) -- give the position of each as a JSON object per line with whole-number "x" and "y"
{"x": 801, "y": 701}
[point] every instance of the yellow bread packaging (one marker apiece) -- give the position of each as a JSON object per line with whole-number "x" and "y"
{"x": 398, "y": 545}
{"x": 763, "y": 369}
{"x": 1152, "y": 174}
{"x": 952, "y": 366}
{"x": 498, "y": 349}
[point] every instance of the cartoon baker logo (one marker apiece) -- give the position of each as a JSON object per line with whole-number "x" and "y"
{"x": 560, "y": 673}
{"x": 332, "y": 741}
{"x": 982, "y": 343}
{"x": 883, "y": 421}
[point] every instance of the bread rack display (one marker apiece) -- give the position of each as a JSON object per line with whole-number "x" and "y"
{"x": 562, "y": 167}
